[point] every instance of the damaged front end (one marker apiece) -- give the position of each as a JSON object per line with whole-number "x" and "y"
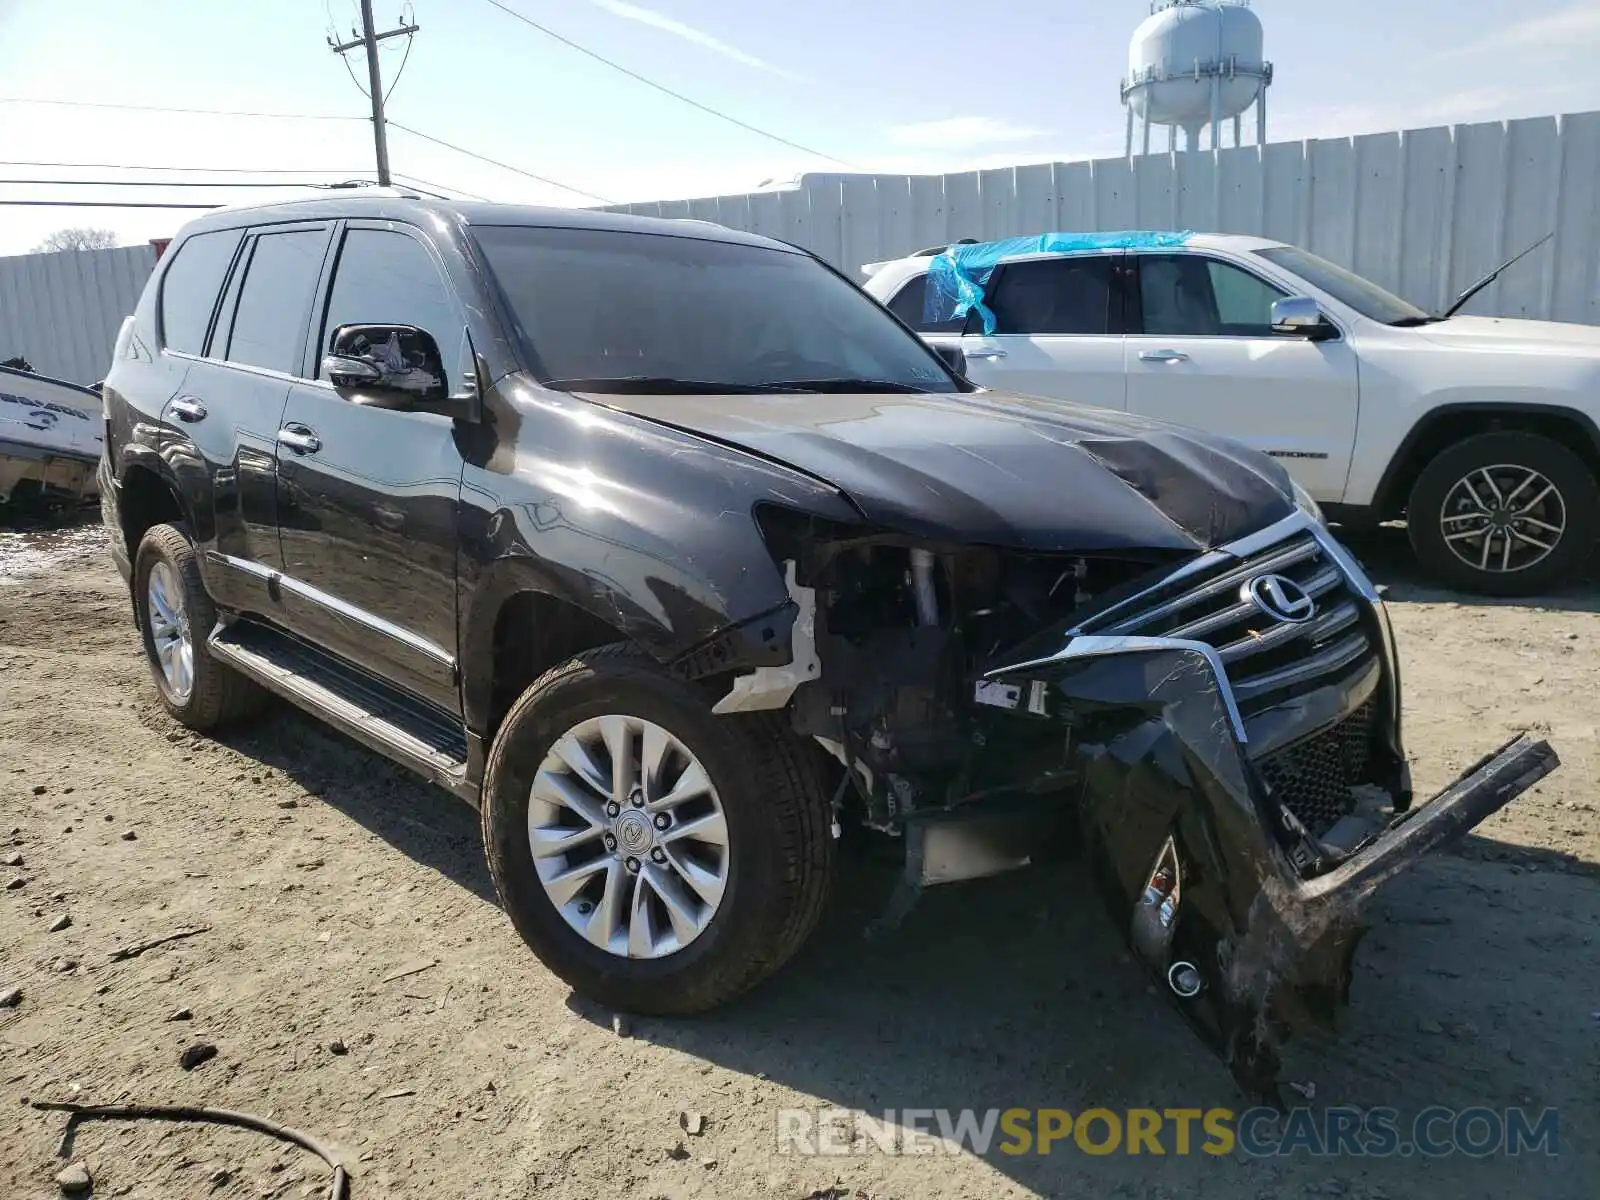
{"x": 1221, "y": 731}
{"x": 1250, "y": 918}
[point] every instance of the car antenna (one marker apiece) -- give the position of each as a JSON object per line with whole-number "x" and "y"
{"x": 1491, "y": 277}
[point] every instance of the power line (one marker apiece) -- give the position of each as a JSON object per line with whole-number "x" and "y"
{"x": 96, "y": 204}
{"x": 427, "y": 137}
{"x": 198, "y": 112}
{"x": 566, "y": 187}
{"x": 443, "y": 187}
{"x": 705, "y": 108}
{"x": 167, "y": 183}
{"x": 341, "y": 172}
{"x": 412, "y": 182}
{"x": 211, "y": 170}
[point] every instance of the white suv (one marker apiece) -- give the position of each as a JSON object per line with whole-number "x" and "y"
{"x": 1481, "y": 431}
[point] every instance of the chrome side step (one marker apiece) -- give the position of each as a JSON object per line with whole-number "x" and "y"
{"x": 414, "y": 735}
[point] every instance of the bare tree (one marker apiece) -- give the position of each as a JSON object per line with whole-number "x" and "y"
{"x": 78, "y": 238}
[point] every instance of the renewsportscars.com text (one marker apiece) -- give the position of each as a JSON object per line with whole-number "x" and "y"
{"x": 1257, "y": 1132}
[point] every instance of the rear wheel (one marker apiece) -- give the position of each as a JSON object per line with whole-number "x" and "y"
{"x": 176, "y": 616}
{"x": 1504, "y": 514}
{"x": 657, "y": 857}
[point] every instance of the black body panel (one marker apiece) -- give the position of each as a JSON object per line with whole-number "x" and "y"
{"x": 644, "y": 527}
{"x": 369, "y": 528}
{"x": 1001, "y": 470}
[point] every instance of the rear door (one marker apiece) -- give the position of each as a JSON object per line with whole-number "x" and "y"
{"x": 369, "y": 491}
{"x": 1057, "y": 330}
{"x": 225, "y": 415}
{"x": 1201, "y": 351}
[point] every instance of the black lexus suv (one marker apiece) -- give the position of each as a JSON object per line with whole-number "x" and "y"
{"x": 680, "y": 558}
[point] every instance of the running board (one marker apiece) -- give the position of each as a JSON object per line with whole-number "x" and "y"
{"x": 413, "y": 734}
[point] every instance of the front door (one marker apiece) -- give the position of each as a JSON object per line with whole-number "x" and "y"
{"x": 1057, "y": 331}
{"x": 1202, "y": 352}
{"x": 369, "y": 492}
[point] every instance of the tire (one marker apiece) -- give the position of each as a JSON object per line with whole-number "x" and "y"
{"x": 1439, "y": 501}
{"x": 777, "y": 862}
{"x": 216, "y": 694}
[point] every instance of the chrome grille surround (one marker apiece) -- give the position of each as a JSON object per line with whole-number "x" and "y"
{"x": 1263, "y": 659}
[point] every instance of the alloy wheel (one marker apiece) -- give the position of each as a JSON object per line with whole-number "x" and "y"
{"x": 629, "y": 837}
{"x": 170, "y": 633}
{"x": 1503, "y": 518}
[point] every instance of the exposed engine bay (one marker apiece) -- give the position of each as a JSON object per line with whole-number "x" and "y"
{"x": 903, "y": 635}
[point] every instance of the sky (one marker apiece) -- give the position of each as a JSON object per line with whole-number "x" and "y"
{"x": 900, "y": 86}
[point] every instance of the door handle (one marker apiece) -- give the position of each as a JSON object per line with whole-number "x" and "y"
{"x": 188, "y": 409}
{"x": 302, "y": 439}
{"x": 986, "y": 352}
{"x": 1163, "y": 356}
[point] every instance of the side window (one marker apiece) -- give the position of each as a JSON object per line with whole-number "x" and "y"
{"x": 190, "y": 285}
{"x": 1053, "y": 295}
{"x": 909, "y": 304}
{"x": 269, "y": 322}
{"x": 1187, "y": 295}
{"x": 1244, "y": 302}
{"x": 388, "y": 278}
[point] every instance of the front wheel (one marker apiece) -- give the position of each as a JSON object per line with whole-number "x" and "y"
{"x": 1504, "y": 514}
{"x": 659, "y": 858}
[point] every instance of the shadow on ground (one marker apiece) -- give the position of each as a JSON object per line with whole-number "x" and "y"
{"x": 423, "y": 822}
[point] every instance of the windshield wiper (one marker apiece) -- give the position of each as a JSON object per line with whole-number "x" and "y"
{"x": 850, "y": 385}
{"x": 664, "y": 385}
{"x": 1413, "y": 322}
{"x": 1472, "y": 291}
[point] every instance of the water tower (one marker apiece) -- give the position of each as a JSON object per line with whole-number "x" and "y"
{"x": 1194, "y": 63}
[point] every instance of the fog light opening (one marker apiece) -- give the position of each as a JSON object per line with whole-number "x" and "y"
{"x": 1184, "y": 979}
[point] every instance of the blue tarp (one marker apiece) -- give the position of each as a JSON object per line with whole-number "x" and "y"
{"x": 957, "y": 277}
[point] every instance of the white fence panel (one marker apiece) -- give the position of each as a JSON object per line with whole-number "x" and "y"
{"x": 1423, "y": 212}
{"x": 62, "y": 311}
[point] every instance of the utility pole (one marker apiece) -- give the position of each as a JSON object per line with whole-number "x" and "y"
{"x": 370, "y": 39}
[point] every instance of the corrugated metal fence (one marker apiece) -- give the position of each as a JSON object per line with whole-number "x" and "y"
{"x": 61, "y": 311}
{"x": 1423, "y": 212}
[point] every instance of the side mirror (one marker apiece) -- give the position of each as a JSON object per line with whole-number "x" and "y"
{"x": 395, "y": 362}
{"x": 1299, "y": 316}
{"x": 953, "y": 357}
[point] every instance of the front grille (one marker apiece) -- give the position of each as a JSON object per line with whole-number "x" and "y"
{"x": 1267, "y": 660}
{"x": 1313, "y": 778}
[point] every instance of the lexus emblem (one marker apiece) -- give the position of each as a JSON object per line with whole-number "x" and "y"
{"x": 1280, "y": 598}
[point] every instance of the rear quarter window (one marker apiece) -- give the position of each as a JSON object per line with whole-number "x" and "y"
{"x": 190, "y": 286}
{"x": 910, "y": 305}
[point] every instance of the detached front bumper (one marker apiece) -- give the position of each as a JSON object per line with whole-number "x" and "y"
{"x": 1250, "y": 921}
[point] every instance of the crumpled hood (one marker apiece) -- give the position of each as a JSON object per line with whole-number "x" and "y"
{"x": 1515, "y": 335}
{"x": 995, "y": 469}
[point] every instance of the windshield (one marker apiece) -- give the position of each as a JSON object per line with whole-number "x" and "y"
{"x": 654, "y": 310}
{"x": 1366, "y": 297}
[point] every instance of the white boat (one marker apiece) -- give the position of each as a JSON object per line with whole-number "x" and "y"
{"x": 51, "y": 435}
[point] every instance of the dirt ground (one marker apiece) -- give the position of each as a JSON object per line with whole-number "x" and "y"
{"x": 359, "y": 982}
